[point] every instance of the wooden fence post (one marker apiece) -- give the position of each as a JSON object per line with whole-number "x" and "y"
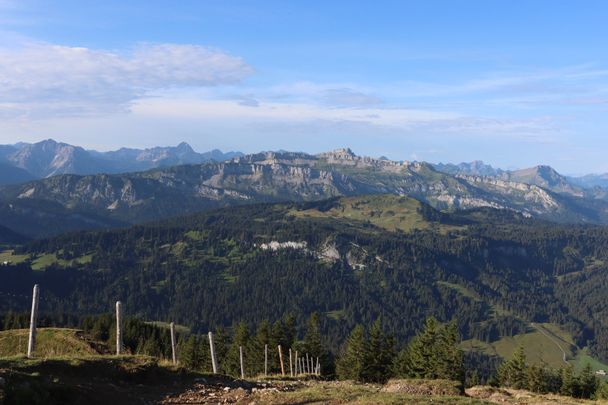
{"x": 213, "y": 356}
{"x": 265, "y": 360}
{"x": 173, "y": 353}
{"x": 318, "y": 367}
{"x": 241, "y": 358}
{"x": 296, "y": 359}
{"x": 281, "y": 359}
{"x": 290, "y": 364}
{"x": 31, "y": 344}
{"x": 307, "y": 364}
{"x": 118, "y": 328}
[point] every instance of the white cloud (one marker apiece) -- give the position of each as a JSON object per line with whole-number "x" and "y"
{"x": 346, "y": 97}
{"x": 373, "y": 120}
{"x": 294, "y": 112}
{"x": 45, "y": 79}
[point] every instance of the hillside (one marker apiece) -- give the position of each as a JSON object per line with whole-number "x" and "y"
{"x": 350, "y": 259}
{"x": 98, "y": 201}
{"x": 50, "y": 342}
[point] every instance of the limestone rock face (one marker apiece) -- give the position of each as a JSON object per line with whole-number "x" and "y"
{"x": 288, "y": 176}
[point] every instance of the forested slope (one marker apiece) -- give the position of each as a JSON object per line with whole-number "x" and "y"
{"x": 351, "y": 259}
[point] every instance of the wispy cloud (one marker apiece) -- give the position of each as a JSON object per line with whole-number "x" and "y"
{"x": 39, "y": 79}
{"x": 346, "y": 97}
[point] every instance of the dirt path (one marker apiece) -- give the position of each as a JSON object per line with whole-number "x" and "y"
{"x": 551, "y": 338}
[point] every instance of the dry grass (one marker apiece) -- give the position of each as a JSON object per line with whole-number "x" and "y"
{"x": 50, "y": 343}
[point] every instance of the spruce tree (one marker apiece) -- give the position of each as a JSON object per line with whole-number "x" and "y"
{"x": 240, "y": 338}
{"x": 379, "y": 356}
{"x": 190, "y": 353}
{"x": 588, "y": 382}
{"x": 221, "y": 341}
{"x": 401, "y": 366}
{"x": 537, "y": 379}
{"x": 513, "y": 373}
{"x": 449, "y": 359}
{"x": 278, "y": 337}
{"x": 262, "y": 338}
{"x": 602, "y": 391}
{"x": 312, "y": 338}
{"x": 353, "y": 355}
{"x": 569, "y": 386}
{"x": 421, "y": 352}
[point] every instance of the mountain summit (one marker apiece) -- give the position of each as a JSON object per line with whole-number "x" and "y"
{"x": 103, "y": 200}
{"x": 48, "y": 158}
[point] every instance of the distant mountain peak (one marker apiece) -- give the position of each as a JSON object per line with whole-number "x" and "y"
{"x": 50, "y": 157}
{"x": 339, "y": 154}
{"x": 474, "y": 168}
{"x": 184, "y": 147}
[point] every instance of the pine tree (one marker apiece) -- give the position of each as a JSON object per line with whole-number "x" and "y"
{"x": 312, "y": 338}
{"x": 602, "y": 391}
{"x": 588, "y": 382}
{"x": 221, "y": 341}
{"x": 379, "y": 355}
{"x": 421, "y": 352}
{"x": 289, "y": 330}
{"x": 401, "y": 366}
{"x": 190, "y": 353}
{"x": 537, "y": 379}
{"x": 278, "y": 337}
{"x": 513, "y": 373}
{"x": 240, "y": 338}
{"x": 474, "y": 379}
{"x": 256, "y": 347}
{"x": 569, "y": 386}
{"x": 351, "y": 361}
{"x": 449, "y": 358}
{"x": 313, "y": 344}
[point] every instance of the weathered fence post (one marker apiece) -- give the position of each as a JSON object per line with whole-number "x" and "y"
{"x": 281, "y": 359}
{"x": 31, "y": 344}
{"x": 290, "y": 364}
{"x": 242, "y": 367}
{"x": 318, "y": 367}
{"x": 296, "y": 359}
{"x": 307, "y": 365}
{"x": 173, "y": 353}
{"x": 213, "y": 357}
{"x": 118, "y": 328}
{"x": 265, "y": 360}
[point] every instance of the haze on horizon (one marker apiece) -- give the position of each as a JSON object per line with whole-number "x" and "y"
{"x": 513, "y": 84}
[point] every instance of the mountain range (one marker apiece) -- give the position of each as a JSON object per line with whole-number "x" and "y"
{"x": 66, "y": 202}
{"x": 24, "y": 161}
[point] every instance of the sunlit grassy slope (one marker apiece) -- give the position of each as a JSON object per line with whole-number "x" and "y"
{"x": 50, "y": 342}
{"x": 389, "y": 212}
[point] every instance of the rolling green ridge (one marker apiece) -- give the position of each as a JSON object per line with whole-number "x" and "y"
{"x": 350, "y": 259}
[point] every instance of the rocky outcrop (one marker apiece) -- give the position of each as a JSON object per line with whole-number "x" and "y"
{"x": 287, "y": 176}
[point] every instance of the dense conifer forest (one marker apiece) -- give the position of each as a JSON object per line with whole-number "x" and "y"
{"x": 352, "y": 261}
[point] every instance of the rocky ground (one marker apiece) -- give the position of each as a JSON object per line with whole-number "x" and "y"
{"x": 142, "y": 380}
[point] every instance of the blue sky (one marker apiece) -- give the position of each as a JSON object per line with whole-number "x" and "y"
{"x": 512, "y": 83}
